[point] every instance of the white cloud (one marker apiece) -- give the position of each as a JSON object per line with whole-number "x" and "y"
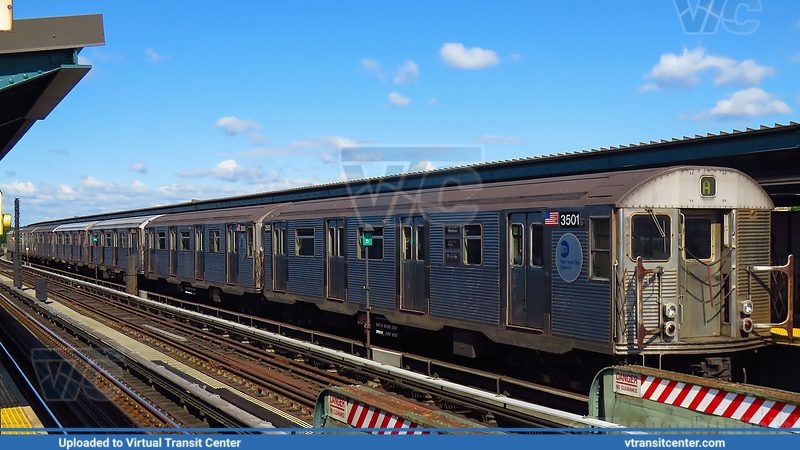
{"x": 433, "y": 101}
{"x": 229, "y": 171}
{"x": 795, "y": 58}
{"x": 18, "y": 189}
{"x": 398, "y": 99}
{"x": 374, "y": 67}
{"x": 497, "y": 139}
{"x": 797, "y": 99}
{"x": 139, "y": 167}
{"x": 152, "y": 56}
{"x": 234, "y": 126}
{"x": 325, "y": 147}
{"x": 422, "y": 166}
{"x": 751, "y": 102}
{"x": 457, "y": 56}
{"x": 683, "y": 71}
{"x": 514, "y": 57}
{"x": 407, "y": 73}
{"x": 84, "y": 61}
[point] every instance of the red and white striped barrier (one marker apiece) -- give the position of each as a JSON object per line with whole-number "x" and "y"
{"x": 746, "y": 408}
{"x": 361, "y": 415}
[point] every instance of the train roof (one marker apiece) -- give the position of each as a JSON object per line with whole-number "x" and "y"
{"x": 125, "y": 222}
{"x": 79, "y": 226}
{"x": 674, "y": 187}
{"x": 229, "y": 215}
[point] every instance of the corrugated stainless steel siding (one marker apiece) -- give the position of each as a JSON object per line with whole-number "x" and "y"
{"x": 162, "y": 262}
{"x": 215, "y": 262}
{"x": 582, "y": 308}
{"x": 466, "y": 292}
{"x": 246, "y": 272}
{"x": 382, "y": 274}
{"x": 305, "y": 272}
{"x": 651, "y": 311}
{"x": 108, "y": 256}
{"x": 185, "y": 264}
{"x": 752, "y": 248}
{"x": 122, "y": 255}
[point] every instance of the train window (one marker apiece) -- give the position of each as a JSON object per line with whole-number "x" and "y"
{"x": 697, "y": 238}
{"x": 186, "y": 242}
{"x": 517, "y": 240}
{"x": 407, "y": 243}
{"x": 472, "y": 245}
{"x": 162, "y": 240}
{"x": 376, "y": 250}
{"x": 249, "y": 237}
{"x": 537, "y": 244}
{"x": 600, "y": 249}
{"x": 651, "y": 236}
{"x": 279, "y": 242}
{"x": 420, "y": 243}
{"x": 213, "y": 241}
{"x": 304, "y": 242}
{"x": 341, "y": 241}
{"x": 331, "y": 241}
{"x": 115, "y": 238}
{"x": 198, "y": 239}
{"x": 108, "y": 239}
{"x": 133, "y": 240}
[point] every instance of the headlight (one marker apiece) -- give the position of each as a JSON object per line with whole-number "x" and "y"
{"x": 670, "y": 310}
{"x": 747, "y": 325}
{"x": 747, "y": 307}
{"x": 670, "y": 328}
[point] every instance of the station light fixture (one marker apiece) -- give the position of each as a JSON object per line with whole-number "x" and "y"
{"x": 5, "y": 219}
{"x": 670, "y": 310}
{"x": 747, "y": 325}
{"x": 747, "y": 307}
{"x": 670, "y": 328}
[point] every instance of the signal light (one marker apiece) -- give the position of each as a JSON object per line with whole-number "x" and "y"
{"x": 670, "y": 310}
{"x": 747, "y": 307}
{"x": 747, "y": 325}
{"x": 670, "y": 328}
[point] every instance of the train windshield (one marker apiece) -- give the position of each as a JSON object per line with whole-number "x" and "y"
{"x": 650, "y": 236}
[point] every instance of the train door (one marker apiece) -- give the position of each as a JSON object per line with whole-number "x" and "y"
{"x": 115, "y": 248}
{"x": 337, "y": 259}
{"x": 414, "y": 269}
{"x": 280, "y": 263}
{"x": 199, "y": 254}
{"x": 151, "y": 250}
{"x": 231, "y": 245}
{"x": 528, "y": 283}
{"x": 706, "y": 264}
{"x": 173, "y": 251}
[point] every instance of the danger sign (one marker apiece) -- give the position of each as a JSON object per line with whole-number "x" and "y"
{"x": 627, "y": 384}
{"x": 337, "y": 408}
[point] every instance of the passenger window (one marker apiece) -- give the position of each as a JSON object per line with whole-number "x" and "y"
{"x": 213, "y": 241}
{"x": 697, "y": 238}
{"x": 249, "y": 238}
{"x": 331, "y": 241}
{"x": 376, "y": 250}
{"x": 304, "y": 242}
{"x": 537, "y": 244}
{"x": 162, "y": 240}
{"x": 472, "y": 245}
{"x": 600, "y": 249}
{"x": 185, "y": 241}
{"x": 420, "y": 243}
{"x": 651, "y": 237}
{"x": 517, "y": 240}
{"x": 108, "y": 239}
{"x": 279, "y": 241}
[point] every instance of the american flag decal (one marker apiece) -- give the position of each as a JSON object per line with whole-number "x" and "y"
{"x": 551, "y": 218}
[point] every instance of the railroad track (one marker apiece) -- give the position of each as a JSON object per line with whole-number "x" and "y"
{"x": 245, "y": 356}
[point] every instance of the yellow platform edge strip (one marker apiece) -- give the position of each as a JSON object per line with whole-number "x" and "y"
{"x": 14, "y": 418}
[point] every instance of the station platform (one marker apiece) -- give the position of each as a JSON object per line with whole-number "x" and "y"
{"x": 15, "y": 412}
{"x": 781, "y": 337}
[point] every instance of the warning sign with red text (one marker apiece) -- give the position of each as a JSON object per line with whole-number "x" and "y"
{"x": 337, "y": 408}
{"x": 627, "y": 384}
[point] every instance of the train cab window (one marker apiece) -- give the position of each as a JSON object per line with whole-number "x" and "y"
{"x": 279, "y": 241}
{"x": 697, "y": 238}
{"x": 651, "y": 236}
{"x": 304, "y": 242}
{"x": 123, "y": 240}
{"x": 473, "y": 245}
{"x": 213, "y": 241}
{"x": 186, "y": 242}
{"x": 376, "y": 250}
{"x": 249, "y": 236}
{"x": 198, "y": 239}
{"x": 517, "y": 240}
{"x": 600, "y": 249}
{"x": 331, "y": 241}
{"x": 162, "y": 240}
{"x": 537, "y": 244}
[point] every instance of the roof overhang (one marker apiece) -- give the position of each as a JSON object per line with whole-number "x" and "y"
{"x": 39, "y": 67}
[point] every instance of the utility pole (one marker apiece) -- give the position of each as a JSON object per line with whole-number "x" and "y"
{"x": 17, "y": 263}
{"x": 367, "y": 242}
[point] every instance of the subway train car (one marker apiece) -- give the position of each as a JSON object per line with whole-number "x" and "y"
{"x": 629, "y": 263}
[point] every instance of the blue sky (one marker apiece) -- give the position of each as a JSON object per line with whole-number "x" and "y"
{"x": 196, "y": 100}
